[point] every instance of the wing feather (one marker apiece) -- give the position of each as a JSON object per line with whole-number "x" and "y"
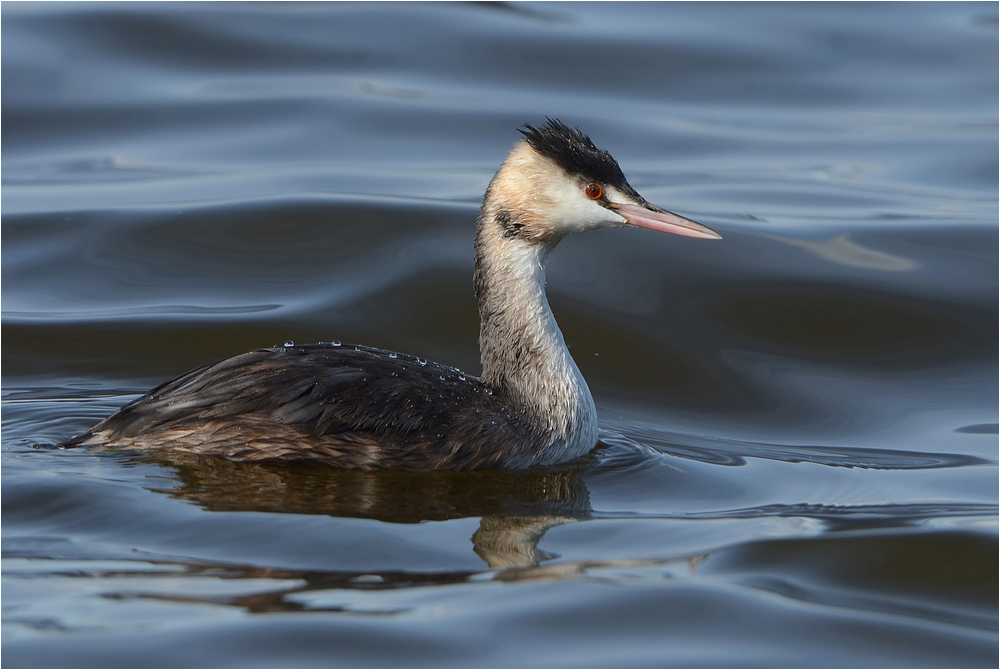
{"x": 349, "y": 406}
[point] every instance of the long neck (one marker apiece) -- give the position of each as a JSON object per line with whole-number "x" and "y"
{"x": 524, "y": 356}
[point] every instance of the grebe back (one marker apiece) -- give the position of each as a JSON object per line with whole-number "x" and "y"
{"x": 357, "y": 407}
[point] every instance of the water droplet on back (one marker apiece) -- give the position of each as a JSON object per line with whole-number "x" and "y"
{"x": 289, "y": 343}
{"x": 335, "y": 343}
{"x": 421, "y": 361}
{"x": 392, "y": 355}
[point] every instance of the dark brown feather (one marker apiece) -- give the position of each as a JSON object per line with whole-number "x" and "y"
{"x": 348, "y": 406}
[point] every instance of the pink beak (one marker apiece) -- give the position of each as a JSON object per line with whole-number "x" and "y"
{"x": 662, "y": 220}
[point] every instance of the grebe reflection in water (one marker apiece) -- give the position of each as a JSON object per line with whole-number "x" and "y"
{"x": 358, "y": 407}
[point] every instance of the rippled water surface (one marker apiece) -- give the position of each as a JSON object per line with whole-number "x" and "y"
{"x": 799, "y": 423}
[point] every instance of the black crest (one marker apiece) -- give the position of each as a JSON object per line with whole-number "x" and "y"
{"x": 575, "y": 152}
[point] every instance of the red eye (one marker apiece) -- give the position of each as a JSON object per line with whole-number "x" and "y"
{"x": 594, "y": 191}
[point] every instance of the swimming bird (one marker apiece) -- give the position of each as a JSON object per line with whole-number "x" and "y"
{"x": 353, "y": 406}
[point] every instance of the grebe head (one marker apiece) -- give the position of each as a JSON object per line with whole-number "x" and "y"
{"x": 556, "y": 182}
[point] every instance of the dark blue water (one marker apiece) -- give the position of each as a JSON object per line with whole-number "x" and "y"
{"x": 799, "y": 449}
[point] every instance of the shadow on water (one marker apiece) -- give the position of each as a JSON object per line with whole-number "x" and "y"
{"x": 515, "y": 510}
{"x": 516, "y": 507}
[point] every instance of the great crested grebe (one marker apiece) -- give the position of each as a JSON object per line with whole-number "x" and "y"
{"x": 358, "y": 407}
